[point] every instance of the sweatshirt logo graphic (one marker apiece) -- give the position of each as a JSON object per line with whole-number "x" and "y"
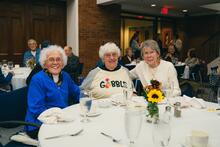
{"x": 107, "y": 83}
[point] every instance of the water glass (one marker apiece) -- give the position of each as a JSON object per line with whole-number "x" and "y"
{"x": 127, "y": 95}
{"x": 133, "y": 123}
{"x": 10, "y": 65}
{"x": 218, "y": 96}
{"x": 4, "y": 64}
{"x": 168, "y": 90}
{"x": 85, "y": 105}
{"x": 161, "y": 134}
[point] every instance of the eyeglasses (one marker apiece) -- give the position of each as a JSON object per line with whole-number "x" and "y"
{"x": 108, "y": 55}
{"x": 52, "y": 60}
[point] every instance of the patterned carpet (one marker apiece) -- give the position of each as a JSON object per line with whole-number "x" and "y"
{"x": 5, "y": 134}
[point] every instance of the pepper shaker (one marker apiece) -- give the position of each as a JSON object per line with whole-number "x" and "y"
{"x": 177, "y": 109}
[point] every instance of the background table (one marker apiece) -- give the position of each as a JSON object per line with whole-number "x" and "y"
{"x": 19, "y": 79}
{"x": 112, "y": 122}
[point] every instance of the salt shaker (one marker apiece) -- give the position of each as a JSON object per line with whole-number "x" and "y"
{"x": 177, "y": 109}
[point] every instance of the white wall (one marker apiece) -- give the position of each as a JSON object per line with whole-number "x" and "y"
{"x": 73, "y": 25}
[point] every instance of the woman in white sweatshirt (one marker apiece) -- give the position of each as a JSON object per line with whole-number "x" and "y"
{"x": 154, "y": 68}
{"x": 109, "y": 78}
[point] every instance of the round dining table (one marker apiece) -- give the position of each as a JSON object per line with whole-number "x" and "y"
{"x": 20, "y": 76}
{"x": 110, "y": 120}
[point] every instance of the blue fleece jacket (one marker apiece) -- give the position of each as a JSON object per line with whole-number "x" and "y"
{"x": 44, "y": 93}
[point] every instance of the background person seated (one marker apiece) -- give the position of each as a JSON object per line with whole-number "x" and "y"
{"x": 51, "y": 87}
{"x": 171, "y": 54}
{"x": 5, "y": 81}
{"x": 191, "y": 59}
{"x": 128, "y": 57}
{"x": 33, "y": 52}
{"x": 110, "y": 78}
{"x": 72, "y": 63}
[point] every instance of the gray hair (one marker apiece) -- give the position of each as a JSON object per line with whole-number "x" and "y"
{"x": 151, "y": 44}
{"x": 107, "y": 48}
{"x": 53, "y": 48}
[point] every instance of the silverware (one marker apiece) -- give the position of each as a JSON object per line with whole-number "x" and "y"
{"x": 112, "y": 138}
{"x": 58, "y": 136}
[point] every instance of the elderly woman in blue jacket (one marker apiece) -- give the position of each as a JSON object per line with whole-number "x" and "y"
{"x": 51, "y": 87}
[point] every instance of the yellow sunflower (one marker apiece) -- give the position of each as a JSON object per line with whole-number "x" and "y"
{"x": 155, "y": 96}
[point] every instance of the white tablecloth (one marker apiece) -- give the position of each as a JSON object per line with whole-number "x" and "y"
{"x": 19, "y": 79}
{"x": 111, "y": 121}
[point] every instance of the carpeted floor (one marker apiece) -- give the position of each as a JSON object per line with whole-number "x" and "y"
{"x": 5, "y": 134}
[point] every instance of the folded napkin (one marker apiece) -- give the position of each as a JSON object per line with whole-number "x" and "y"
{"x": 54, "y": 115}
{"x": 189, "y": 102}
{"x": 138, "y": 101}
{"x": 118, "y": 98}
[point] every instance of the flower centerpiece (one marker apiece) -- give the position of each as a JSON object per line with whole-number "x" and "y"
{"x": 31, "y": 63}
{"x": 153, "y": 95}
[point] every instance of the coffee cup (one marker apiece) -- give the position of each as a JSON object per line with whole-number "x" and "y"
{"x": 197, "y": 139}
{"x": 17, "y": 65}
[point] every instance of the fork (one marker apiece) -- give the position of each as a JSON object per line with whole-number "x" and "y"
{"x": 112, "y": 138}
{"x": 58, "y": 136}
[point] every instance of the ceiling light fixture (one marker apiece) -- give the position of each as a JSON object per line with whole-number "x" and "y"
{"x": 153, "y": 5}
{"x": 184, "y": 11}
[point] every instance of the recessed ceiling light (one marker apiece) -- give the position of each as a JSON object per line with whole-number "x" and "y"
{"x": 184, "y": 10}
{"x": 153, "y": 5}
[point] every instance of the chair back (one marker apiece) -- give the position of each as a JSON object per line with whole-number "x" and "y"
{"x": 196, "y": 73}
{"x": 180, "y": 70}
{"x": 79, "y": 72}
{"x": 80, "y": 68}
{"x": 13, "y": 105}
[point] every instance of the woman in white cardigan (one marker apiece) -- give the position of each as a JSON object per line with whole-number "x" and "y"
{"x": 154, "y": 68}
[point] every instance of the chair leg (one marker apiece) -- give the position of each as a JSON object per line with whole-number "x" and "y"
{"x": 193, "y": 76}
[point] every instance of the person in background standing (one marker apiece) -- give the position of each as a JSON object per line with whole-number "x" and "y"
{"x": 72, "y": 63}
{"x": 134, "y": 44}
{"x": 32, "y": 54}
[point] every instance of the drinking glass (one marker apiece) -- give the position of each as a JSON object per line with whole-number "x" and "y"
{"x": 161, "y": 134}
{"x": 167, "y": 89}
{"x": 4, "y": 63}
{"x": 133, "y": 123}
{"x": 10, "y": 65}
{"x": 127, "y": 95}
{"x": 218, "y": 96}
{"x": 85, "y": 104}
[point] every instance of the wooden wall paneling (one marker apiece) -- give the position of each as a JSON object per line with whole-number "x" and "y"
{"x": 17, "y": 34}
{"x": 4, "y": 35}
{"x": 57, "y": 32}
{"x": 17, "y": 39}
{"x": 39, "y": 29}
{"x": 57, "y": 23}
{"x": 24, "y": 19}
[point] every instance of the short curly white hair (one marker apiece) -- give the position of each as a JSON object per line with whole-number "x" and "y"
{"x": 107, "y": 48}
{"x": 52, "y": 48}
